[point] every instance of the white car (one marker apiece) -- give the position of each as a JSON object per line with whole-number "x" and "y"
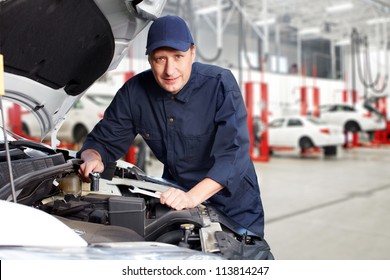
{"x": 83, "y": 116}
{"x": 360, "y": 117}
{"x": 80, "y": 120}
{"x": 304, "y": 132}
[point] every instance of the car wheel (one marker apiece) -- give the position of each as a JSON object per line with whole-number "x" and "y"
{"x": 80, "y": 132}
{"x": 330, "y": 151}
{"x": 305, "y": 143}
{"x": 351, "y": 126}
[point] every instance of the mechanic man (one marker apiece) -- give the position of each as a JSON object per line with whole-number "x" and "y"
{"x": 193, "y": 118}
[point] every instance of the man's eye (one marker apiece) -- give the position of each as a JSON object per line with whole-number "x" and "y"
{"x": 160, "y": 59}
{"x": 178, "y": 56}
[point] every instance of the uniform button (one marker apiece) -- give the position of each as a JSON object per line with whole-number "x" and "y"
{"x": 171, "y": 120}
{"x": 172, "y": 97}
{"x": 147, "y": 135}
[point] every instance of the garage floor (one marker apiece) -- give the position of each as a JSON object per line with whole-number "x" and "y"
{"x": 328, "y": 209}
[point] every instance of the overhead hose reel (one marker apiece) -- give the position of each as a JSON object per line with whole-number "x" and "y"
{"x": 366, "y": 78}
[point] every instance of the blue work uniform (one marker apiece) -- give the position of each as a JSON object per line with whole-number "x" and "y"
{"x": 197, "y": 133}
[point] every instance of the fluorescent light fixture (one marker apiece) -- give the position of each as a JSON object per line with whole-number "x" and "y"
{"x": 339, "y": 7}
{"x": 377, "y": 20}
{"x": 207, "y": 10}
{"x": 267, "y": 21}
{"x": 343, "y": 42}
{"x": 211, "y": 9}
{"x": 307, "y": 31}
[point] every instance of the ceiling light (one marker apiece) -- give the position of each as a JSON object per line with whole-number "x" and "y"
{"x": 339, "y": 7}
{"x": 267, "y": 21}
{"x": 377, "y": 20}
{"x": 343, "y": 42}
{"x": 207, "y": 10}
{"x": 307, "y": 31}
{"x": 211, "y": 9}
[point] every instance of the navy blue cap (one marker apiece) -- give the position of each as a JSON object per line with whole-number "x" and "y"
{"x": 169, "y": 31}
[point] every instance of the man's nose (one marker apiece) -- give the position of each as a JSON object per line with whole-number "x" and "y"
{"x": 170, "y": 67}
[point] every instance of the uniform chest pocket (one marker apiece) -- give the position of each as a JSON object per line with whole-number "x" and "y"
{"x": 198, "y": 148}
{"x": 154, "y": 140}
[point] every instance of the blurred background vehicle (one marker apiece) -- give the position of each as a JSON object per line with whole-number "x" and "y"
{"x": 304, "y": 133}
{"x": 81, "y": 119}
{"x": 353, "y": 118}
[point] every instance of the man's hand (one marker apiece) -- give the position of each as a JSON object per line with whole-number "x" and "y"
{"x": 92, "y": 162}
{"x": 179, "y": 200}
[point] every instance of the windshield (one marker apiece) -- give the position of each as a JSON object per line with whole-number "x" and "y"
{"x": 315, "y": 121}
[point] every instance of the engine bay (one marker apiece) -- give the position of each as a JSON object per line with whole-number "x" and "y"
{"x": 120, "y": 205}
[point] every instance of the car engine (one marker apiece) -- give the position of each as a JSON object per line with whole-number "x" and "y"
{"x": 119, "y": 205}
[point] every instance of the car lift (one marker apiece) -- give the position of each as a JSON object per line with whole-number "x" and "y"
{"x": 131, "y": 153}
{"x": 355, "y": 135}
{"x": 316, "y": 108}
{"x": 15, "y": 120}
{"x": 263, "y": 148}
{"x": 304, "y": 102}
{"x": 382, "y": 137}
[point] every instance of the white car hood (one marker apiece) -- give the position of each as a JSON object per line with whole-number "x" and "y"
{"x": 42, "y": 229}
{"x": 54, "y": 51}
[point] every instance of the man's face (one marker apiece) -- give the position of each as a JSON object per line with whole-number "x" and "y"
{"x": 172, "y": 68}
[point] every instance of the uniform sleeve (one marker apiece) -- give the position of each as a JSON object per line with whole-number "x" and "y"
{"x": 113, "y": 135}
{"x": 231, "y": 146}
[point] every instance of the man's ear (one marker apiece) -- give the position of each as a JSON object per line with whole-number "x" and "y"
{"x": 193, "y": 52}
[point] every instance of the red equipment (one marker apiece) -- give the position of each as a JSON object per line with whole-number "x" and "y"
{"x": 15, "y": 119}
{"x": 316, "y": 101}
{"x": 131, "y": 153}
{"x": 355, "y": 135}
{"x": 263, "y": 148}
{"x": 382, "y": 136}
{"x": 316, "y": 108}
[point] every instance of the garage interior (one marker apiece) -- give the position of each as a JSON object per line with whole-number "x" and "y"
{"x": 316, "y": 207}
{"x": 290, "y": 57}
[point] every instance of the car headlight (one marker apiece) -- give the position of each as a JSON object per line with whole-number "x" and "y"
{"x": 147, "y": 9}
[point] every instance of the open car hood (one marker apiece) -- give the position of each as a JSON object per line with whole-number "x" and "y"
{"x": 55, "y": 50}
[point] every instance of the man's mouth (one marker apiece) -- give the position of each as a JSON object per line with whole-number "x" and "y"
{"x": 171, "y": 80}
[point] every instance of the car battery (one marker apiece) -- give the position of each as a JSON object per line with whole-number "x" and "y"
{"x": 127, "y": 212}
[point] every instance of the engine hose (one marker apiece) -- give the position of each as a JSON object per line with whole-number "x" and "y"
{"x": 171, "y": 237}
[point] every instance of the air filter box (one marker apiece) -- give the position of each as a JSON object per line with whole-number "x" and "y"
{"x": 127, "y": 212}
